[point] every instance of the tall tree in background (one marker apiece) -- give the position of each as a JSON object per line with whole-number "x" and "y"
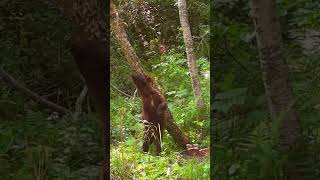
{"x": 89, "y": 46}
{"x": 134, "y": 62}
{"x": 275, "y": 72}
{"x": 191, "y": 57}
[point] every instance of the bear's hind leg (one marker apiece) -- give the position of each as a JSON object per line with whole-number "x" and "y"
{"x": 158, "y": 146}
{"x": 147, "y": 140}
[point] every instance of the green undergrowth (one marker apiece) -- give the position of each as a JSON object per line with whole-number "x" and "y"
{"x": 128, "y": 162}
{"x": 42, "y": 146}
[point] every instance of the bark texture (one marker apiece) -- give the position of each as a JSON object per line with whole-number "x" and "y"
{"x": 183, "y": 15}
{"x": 122, "y": 39}
{"x": 133, "y": 60}
{"x": 275, "y": 70}
{"x": 275, "y": 74}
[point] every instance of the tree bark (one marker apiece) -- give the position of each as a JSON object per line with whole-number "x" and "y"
{"x": 133, "y": 60}
{"x": 90, "y": 49}
{"x": 183, "y": 15}
{"x": 122, "y": 38}
{"x": 177, "y": 135}
{"x": 275, "y": 73}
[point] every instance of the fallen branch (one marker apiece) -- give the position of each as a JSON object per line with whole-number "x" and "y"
{"x": 15, "y": 84}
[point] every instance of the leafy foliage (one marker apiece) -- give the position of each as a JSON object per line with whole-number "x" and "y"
{"x": 39, "y": 145}
{"x": 35, "y": 142}
{"x": 245, "y": 138}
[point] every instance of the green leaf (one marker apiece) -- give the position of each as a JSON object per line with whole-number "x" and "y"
{"x": 227, "y": 82}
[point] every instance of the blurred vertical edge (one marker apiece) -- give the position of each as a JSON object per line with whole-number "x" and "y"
{"x": 211, "y": 90}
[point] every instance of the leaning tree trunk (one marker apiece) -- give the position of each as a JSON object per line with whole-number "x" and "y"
{"x": 133, "y": 60}
{"x": 275, "y": 72}
{"x": 183, "y": 14}
{"x": 89, "y": 46}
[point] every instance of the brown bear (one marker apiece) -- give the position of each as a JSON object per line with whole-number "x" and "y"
{"x": 154, "y": 115}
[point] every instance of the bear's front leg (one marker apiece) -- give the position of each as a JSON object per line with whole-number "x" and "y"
{"x": 145, "y": 146}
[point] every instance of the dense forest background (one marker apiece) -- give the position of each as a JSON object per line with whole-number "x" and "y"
{"x": 245, "y": 140}
{"x": 154, "y": 30}
{"x": 36, "y": 142}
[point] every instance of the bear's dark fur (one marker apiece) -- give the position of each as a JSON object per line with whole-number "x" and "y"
{"x": 154, "y": 113}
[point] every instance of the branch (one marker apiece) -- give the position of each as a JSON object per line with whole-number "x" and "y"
{"x": 15, "y": 84}
{"x": 79, "y": 102}
{"x": 125, "y": 94}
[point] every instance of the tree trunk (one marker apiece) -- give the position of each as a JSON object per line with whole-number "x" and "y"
{"x": 183, "y": 14}
{"x": 275, "y": 72}
{"x": 133, "y": 60}
{"x": 176, "y": 133}
{"x": 90, "y": 49}
{"x": 122, "y": 38}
